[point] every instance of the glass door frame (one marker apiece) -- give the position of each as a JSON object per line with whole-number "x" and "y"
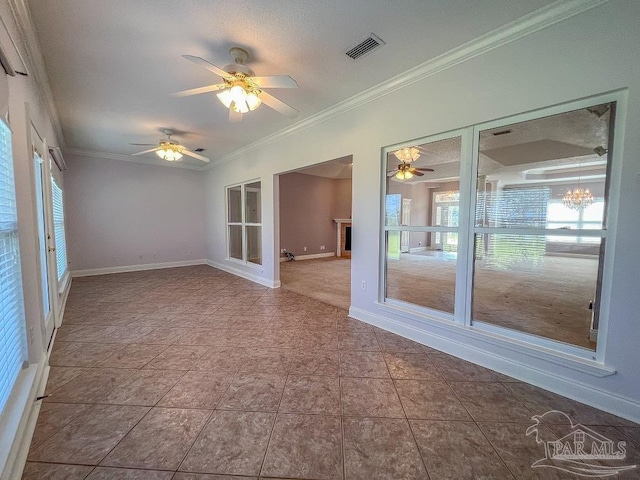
{"x": 46, "y": 239}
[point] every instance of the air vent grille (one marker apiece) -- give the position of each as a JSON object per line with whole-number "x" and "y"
{"x": 502, "y": 132}
{"x": 363, "y": 48}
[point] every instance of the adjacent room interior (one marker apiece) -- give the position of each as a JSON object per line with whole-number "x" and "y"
{"x": 315, "y": 231}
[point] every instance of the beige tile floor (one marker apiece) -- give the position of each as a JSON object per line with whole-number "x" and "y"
{"x": 194, "y": 374}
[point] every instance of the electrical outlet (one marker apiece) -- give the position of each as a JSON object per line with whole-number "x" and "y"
{"x": 304, "y": 249}
{"x": 363, "y": 285}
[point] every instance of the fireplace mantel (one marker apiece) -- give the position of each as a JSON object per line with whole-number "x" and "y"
{"x": 342, "y": 223}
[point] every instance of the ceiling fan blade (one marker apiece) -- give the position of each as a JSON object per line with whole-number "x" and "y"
{"x": 424, "y": 169}
{"x": 234, "y": 117}
{"x": 392, "y": 173}
{"x": 415, "y": 172}
{"x": 146, "y": 151}
{"x": 209, "y": 66}
{"x": 275, "y": 81}
{"x": 199, "y": 90}
{"x": 186, "y": 151}
{"x": 278, "y": 105}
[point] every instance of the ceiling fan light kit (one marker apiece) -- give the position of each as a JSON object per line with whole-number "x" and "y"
{"x": 241, "y": 91}
{"x": 404, "y": 175}
{"x": 407, "y": 154}
{"x": 171, "y": 151}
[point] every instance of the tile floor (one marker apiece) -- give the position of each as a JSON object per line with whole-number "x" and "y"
{"x": 194, "y": 374}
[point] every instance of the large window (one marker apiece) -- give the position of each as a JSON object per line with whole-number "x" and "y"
{"x": 244, "y": 223}
{"x": 507, "y": 226}
{"x": 422, "y": 223}
{"x": 58, "y": 228}
{"x": 12, "y": 347}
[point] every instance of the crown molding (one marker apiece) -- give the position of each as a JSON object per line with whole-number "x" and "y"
{"x": 533, "y": 22}
{"x": 35, "y": 62}
{"x": 127, "y": 158}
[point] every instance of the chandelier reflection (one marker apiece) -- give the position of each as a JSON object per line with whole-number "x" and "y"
{"x": 578, "y": 198}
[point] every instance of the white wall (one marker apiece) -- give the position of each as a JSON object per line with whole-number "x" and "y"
{"x": 123, "y": 213}
{"x": 26, "y": 109}
{"x": 589, "y": 54}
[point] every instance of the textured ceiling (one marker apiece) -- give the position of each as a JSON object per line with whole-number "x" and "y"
{"x": 112, "y": 64}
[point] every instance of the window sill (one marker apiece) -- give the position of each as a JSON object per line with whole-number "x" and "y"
{"x": 493, "y": 339}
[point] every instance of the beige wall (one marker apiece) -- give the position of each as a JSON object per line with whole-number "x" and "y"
{"x": 123, "y": 213}
{"x": 308, "y": 206}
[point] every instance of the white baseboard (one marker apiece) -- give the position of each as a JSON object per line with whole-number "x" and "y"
{"x": 22, "y": 422}
{"x": 417, "y": 249}
{"x": 603, "y": 400}
{"x": 136, "y": 268}
{"x": 244, "y": 274}
{"x": 311, "y": 256}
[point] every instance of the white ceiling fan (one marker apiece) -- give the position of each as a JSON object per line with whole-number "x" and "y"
{"x": 169, "y": 150}
{"x": 242, "y": 91}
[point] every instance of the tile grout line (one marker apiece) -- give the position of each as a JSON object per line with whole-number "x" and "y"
{"x": 406, "y": 418}
{"x": 475, "y": 422}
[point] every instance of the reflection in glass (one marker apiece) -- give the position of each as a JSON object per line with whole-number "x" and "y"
{"x": 411, "y": 202}
{"x": 519, "y": 284}
{"x": 234, "y": 201}
{"x": 254, "y": 247}
{"x": 544, "y": 174}
{"x": 422, "y": 277}
{"x": 253, "y": 203}
{"x": 235, "y": 241}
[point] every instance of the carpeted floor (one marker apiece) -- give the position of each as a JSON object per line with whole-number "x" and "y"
{"x": 325, "y": 279}
{"x": 551, "y": 302}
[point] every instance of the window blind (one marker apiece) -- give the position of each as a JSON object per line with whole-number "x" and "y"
{"x": 12, "y": 335}
{"x": 58, "y": 228}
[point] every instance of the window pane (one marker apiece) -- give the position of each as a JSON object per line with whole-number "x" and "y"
{"x": 545, "y": 173}
{"x": 253, "y": 203}
{"x": 58, "y": 228}
{"x": 524, "y": 283}
{"x": 235, "y": 204}
{"x": 412, "y": 201}
{"x": 420, "y": 276}
{"x": 12, "y": 327}
{"x": 254, "y": 245}
{"x": 235, "y": 241}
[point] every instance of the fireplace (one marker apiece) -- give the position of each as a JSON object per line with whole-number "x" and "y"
{"x": 343, "y": 242}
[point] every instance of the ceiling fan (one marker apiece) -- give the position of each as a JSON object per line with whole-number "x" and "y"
{"x": 406, "y": 171}
{"x": 169, "y": 150}
{"x": 241, "y": 91}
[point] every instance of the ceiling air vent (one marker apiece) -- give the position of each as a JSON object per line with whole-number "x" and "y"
{"x": 502, "y": 132}
{"x": 367, "y": 46}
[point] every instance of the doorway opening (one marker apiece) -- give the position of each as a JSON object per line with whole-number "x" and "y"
{"x": 315, "y": 231}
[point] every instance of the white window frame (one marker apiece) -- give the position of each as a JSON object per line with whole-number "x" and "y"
{"x": 243, "y": 223}
{"x": 568, "y": 355}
